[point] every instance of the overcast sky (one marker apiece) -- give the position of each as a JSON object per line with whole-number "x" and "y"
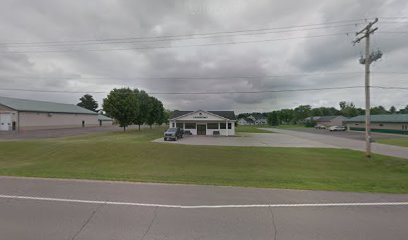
{"x": 97, "y": 45}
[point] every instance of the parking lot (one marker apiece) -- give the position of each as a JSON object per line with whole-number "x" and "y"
{"x": 350, "y": 134}
{"x": 293, "y": 138}
{"x": 249, "y": 139}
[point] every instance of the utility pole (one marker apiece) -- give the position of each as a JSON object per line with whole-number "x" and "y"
{"x": 369, "y": 58}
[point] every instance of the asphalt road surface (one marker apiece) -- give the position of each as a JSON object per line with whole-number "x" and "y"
{"x": 72, "y": 209}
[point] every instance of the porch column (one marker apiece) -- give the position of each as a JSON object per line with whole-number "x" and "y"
{"x": 226, "y": 126}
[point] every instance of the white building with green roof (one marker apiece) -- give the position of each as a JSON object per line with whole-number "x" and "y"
{"x": 385, "y": 123}
{"x": 24, "y": 114}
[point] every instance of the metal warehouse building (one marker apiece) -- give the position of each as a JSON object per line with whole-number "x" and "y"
{"x": 22, "y": 114}
{"x": 386, "y": 123}
{"x": 205, "y": 122}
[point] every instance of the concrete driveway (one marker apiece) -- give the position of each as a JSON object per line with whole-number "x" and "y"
{"x": 250, "y": 139}
{"x": 343, "y": 142}
{"x": 290, "y": 138}
{"x": 40, "y": 209}
{"x": 356, "y": 135}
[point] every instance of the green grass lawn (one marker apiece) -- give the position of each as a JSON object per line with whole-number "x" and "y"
{"x": 403, "y": 142}
{"x": 252, "y": 129}
{"x": 131, "y": 156}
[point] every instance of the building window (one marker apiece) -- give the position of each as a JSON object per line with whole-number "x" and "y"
{"x": 229, "y": 125}
{"x": 223, "y": 125}
{"x": 190, "y": 126}
{"x": 179, "y": 125}
{"x": 212, "y": 125}
{"x": 173, "y": 125}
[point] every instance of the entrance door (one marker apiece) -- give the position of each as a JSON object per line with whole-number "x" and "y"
{"x": 5, "y": 122}
{"x": 201, "y": 129}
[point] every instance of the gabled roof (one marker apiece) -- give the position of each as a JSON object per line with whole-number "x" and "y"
{"x": 249, "y": 120}
{"x": 25, "y": 105}
{"x": 326, "y": 118}
{"x": 315, "y": 118}
{"x": 102, "y": 117}
{"x": 395, "y": 118}
{"x": 225, "y": 114}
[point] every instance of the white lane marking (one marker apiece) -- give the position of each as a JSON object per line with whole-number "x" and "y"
{"x": 208, "y": 206}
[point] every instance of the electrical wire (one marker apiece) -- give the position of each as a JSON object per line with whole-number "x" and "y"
{"x": 350, "y": 22}
{"x": 208, "y": 92}
{"x": 179, "y": 46}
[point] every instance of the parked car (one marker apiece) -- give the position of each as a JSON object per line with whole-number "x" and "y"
{"x": 187, "y": 132}
{"x": 319, "y": 126}
{"x": 337, "y": 128}
{"x": 173, "y": 134}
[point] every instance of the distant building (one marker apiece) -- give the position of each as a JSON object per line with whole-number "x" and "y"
{"x": 205, "y": 122}
{"x": 246, "y": 121}
{"x": 329, "y": 121}
{"x": 104, "y": 120}
{"x": 385, "y": 123}
{"x": 253, "y": 120}
{"x": 22, "y": 114}
{"x": 261, "y": 121}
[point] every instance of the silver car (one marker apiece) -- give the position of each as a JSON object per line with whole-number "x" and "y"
{"x": 337, "y": 128}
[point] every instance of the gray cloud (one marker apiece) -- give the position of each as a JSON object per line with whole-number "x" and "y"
{"x": 76, "y": 70}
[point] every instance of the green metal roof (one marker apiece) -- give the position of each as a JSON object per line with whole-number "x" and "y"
{"x": 104, "y": 118}
{"x": 396, "y": 118}
{"x": 25, "y": 105}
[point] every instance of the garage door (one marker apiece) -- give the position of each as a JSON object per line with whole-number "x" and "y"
{"x": 5, "y": 121}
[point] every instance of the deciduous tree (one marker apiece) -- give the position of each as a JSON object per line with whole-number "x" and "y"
{"x": 122, "y": 105}
{"x": 88, "y": 102}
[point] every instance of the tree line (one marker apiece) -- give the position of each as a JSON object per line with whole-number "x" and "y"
{"x": 129, "y": 106}
{"x": 299, "y": 114}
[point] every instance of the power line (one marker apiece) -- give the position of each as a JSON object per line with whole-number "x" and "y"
{"x": 205, "y": 93}
{"x": 350, "y": 22}
{"x": 13, "y": 46}
{"x": 209, "y": 92}
{"x": 200, "y": 77}
{"x": 179, "y": 46}
{"x": 184, "y": 77}
{"x": 391, "y": 88}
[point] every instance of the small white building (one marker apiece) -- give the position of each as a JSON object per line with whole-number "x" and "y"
{"x": 205, "y": 122}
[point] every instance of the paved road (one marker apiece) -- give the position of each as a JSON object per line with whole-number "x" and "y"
{"x": 341, "y": 142}
{"x": 72, "y": 209}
